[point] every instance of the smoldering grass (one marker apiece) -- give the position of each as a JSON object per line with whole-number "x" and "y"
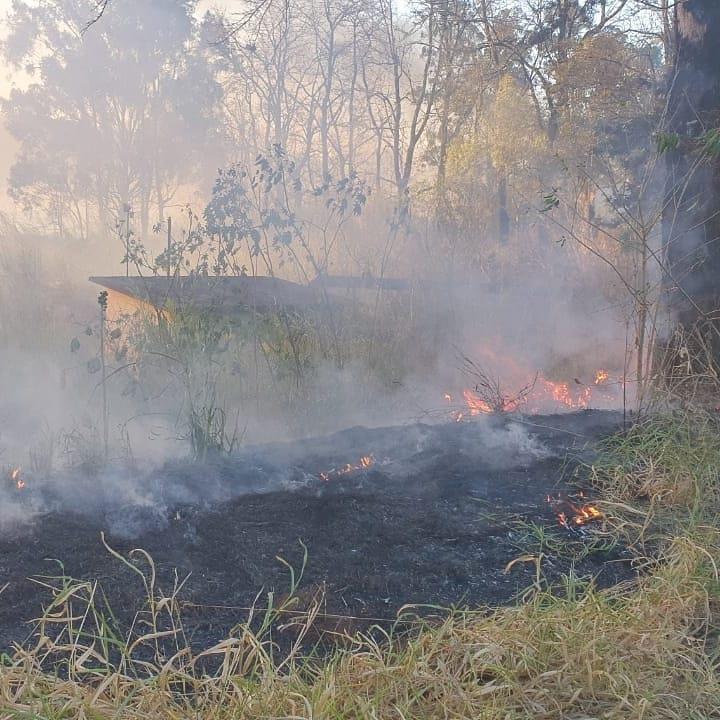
{"x": 645, "y": 650}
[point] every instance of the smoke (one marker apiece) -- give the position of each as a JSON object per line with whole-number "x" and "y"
{"x": 190, "y": 402}
{"x": 51, "y": 408}
{"x": 129, "y": 501}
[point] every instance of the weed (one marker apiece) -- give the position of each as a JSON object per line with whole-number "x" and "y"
{"x": 210, "y": 433}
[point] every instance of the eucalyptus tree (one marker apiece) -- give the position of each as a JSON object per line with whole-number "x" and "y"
{"x": 115, "y": 115}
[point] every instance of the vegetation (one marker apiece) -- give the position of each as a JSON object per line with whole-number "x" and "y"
{"x": 648, "y": 650}
{"x": 432, "y": 104}
{"x": 481, "y": 150}
{"x": 500, "y": 155}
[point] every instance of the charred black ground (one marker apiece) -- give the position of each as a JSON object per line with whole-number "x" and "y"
{"x": 436, "y": 520}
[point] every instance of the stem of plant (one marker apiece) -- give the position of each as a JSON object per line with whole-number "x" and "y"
{"x": 103, "y": 301}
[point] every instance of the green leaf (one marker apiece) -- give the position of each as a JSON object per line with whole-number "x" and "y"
{"x": 667, "y": 142}
{"x": 711, "y": 142}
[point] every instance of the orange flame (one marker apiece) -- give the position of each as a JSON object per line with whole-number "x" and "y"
{"x": 544, "y": 395}
{"x": 476, "y": 405}
{"x": 365, "y": 463}
{"x": 575, "y": 516}
{"x": 15, "y": 477}
{"x": 580, "y": 516}
{"x": 561, "y": 394}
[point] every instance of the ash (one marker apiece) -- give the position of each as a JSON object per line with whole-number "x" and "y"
{"x": 435, "y": 517}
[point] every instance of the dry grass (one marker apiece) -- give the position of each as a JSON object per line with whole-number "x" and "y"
{"x": 648, "y": 651}
{"x": 670, "y": 460}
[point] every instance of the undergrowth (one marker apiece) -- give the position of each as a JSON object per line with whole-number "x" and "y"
{"x": 649, "y": 650}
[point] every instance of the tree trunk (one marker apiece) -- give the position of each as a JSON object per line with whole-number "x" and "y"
{"x": 503, "y": 215}
{"x": 691, "y": 216}
{"x": 351, "y": 100}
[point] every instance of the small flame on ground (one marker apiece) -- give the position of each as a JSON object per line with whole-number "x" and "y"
{"x": 476, "y": 405}
{"x": 15, "y": 478}
{"x": 575, "y": 516}
{"x": 601, "y": 376}
{"x": 365, "y": 463}
{"x": 560, "y": 392}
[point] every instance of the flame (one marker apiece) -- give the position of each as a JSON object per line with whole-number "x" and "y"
{"x": 580, "y": 516}
{"x": 586, "y": 514}
{"x": 601, "y": 376}
{"x": 476, "y": 405}
{"x": 575, "y": 516}
{"x": 560, "y": 393}
{"x": 544, "y": 396}
{"x": 15, "y": 477}
{"x": 365, "y": 463}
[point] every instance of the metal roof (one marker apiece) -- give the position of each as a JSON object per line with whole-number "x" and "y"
{"x": 223, "y": 294}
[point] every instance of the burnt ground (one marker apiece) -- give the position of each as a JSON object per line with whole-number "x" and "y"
{"x": 436, "y": 520}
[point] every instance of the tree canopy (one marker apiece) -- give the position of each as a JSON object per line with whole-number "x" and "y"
{"x": 120, "y": 115}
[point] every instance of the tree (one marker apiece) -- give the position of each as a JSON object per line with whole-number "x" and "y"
{"x": 691, "y": 219}
{"x": 118, "y": 114}
{"x": 421, "y": 55}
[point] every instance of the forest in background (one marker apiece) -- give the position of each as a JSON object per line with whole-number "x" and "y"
{"x": 469, "y": 115}
{"x": 509, "y": 158}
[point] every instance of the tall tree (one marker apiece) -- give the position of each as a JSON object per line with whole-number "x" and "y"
{"x": 691, "y": 219}
{"x": 118, "y": 114}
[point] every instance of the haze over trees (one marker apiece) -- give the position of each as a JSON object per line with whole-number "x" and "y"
{"x": 494, "y": 129}
{"x": 122, "y": 115}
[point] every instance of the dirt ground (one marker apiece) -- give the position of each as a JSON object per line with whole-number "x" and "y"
{"x": 436, "y": 520}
